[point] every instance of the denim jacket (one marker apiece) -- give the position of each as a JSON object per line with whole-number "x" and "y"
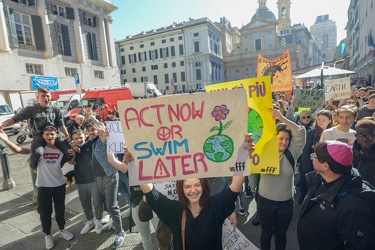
{"x": 100, "y": 153}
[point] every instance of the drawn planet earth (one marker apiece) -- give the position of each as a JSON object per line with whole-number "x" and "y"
{"x": 218, "y": 148}
{"x": 255, "y": 125}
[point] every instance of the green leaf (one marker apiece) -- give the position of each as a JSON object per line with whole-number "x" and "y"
{"x": 226, "y": 125}
{"x": 214, "y": 128}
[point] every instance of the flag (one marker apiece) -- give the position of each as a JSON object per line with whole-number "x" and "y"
{"x": 279, "y": 69}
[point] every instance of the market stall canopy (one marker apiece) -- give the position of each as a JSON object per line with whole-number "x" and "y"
{"x": 327, "y": 71}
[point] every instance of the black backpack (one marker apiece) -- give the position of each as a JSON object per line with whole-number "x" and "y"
{"x": 368, "y": 194}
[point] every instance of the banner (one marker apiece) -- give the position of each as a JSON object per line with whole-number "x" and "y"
{"x": 280, "y": 71}
{"x": 44, "y": 81}
{"x": 260, "y": 122}
{"x": 185, "y": 136}
{"x": 305, "y": 98}
{"x": 337, "y": 88}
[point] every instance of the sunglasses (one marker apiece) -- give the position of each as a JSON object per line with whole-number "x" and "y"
{"x": 306, "y": 117}
{"x": 312, "y": 157}
{"x": 368, "y": 137}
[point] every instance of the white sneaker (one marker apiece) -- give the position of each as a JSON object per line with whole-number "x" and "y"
{"x": 49, "y": 242}
{"x": 88, "y": 226}
{"x": 105, "y": 218}
{"x": 98, "y": 226}
{"x": 65, "y": 234}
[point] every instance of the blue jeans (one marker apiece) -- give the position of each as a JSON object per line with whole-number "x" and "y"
{"x": 275, "y": 218}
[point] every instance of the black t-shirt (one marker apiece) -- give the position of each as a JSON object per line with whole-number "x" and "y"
{"x": 83, "y": 172}
{"x": 98, "y": 169}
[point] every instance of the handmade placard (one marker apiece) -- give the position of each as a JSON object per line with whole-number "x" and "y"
{"x": 185, "y": 136}
{"x": 306, "y": 98}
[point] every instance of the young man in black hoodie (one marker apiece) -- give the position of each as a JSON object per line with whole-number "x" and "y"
{"x": 364, "y": 150}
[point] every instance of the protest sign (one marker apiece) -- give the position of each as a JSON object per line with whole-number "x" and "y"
{"x": 337, "y": 88}
{"x": 115, "y": 140}
{"x": 168, "y": 188}
{"x": 260, "y": 122}
{"x": 185, "y": 136}
{"x": 306, "y": 98}
{"x": 235, "y": 240}
{"x": 279, "y": 69}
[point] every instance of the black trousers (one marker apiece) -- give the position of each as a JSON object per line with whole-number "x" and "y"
{"x": 45, "y": 197}
{"x": 37, "y": 148}
{"x": 275, "y": 218}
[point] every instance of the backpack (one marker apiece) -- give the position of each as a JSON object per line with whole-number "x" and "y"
{"x": 368, "y": 194}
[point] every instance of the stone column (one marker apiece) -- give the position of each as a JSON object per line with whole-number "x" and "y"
{"x": 111, "y": 43}
{"x": 4, "y": 42}
{"x": 78, "y": 37}
{"x": 103, "y": 42}
{"x": 42, "y": 12}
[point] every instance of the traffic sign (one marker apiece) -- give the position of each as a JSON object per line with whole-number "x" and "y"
{"x": 76, "y": 77}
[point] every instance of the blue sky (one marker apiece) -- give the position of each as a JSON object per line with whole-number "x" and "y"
{"x": 135, "y": 16}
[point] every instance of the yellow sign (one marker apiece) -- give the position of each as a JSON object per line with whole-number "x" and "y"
{"x": 280, "y": 71}
{"x": 185, "y": 136}
{"x": 261, "y": 124}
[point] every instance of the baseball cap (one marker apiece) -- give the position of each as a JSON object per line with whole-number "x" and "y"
{"x": 340, "y": 152}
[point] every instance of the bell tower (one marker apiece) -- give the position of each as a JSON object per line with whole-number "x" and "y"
{"x": 284, "y": 25}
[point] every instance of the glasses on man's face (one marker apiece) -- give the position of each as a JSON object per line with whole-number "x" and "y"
{"x": 312, "y": 157}
{"x": 367, "y": 137}
{"x": 306, "y": 117}
{"x": 350, "y": 102}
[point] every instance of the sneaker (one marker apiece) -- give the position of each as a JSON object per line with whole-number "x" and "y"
{"x": 65, "y": 234}
{"x": 119, "y": 240}
{"x": 110, "y": 229}
{"x": 98, "y": 226}
{"x": 242, "y": 211}
{"x": 105, "y": 218}
{"x": 255, "y": 221}
{"x": 49, "y": 242}
{"x": 249, "y": 193}
{"x": 88, "y": 226}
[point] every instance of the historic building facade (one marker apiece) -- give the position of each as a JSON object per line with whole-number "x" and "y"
{"x": 55, "y": 41}
{"x": 179, "y": 58}
{"x": 269, "y": 36}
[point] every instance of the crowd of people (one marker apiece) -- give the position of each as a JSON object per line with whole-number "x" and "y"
{"x": 333, "y": 147}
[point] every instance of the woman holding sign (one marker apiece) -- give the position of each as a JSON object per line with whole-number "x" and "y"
{"x": 275, "y": 203}
{"x": 196, "y": 219}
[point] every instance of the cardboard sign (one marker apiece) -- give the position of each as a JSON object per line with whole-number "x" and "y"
{"x": 115, "y": 140}
{"x": 235, "y": 240}
{"x": 337, "y": 89}
{"x": 308, "y": 98}
{"x": 185, "y": 136}
{"x": 279, "y": 69}
{"x": 168, "y": 188}
{"x": 260, "y": 122}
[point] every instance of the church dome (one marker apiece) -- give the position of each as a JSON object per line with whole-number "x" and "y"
{"x": 263, "y": 13}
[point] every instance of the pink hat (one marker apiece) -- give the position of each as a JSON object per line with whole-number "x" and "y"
{"x": 340, "y": 152}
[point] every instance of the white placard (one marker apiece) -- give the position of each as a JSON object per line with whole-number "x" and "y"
{"x": 337, "y": 89}
{"x": 235, "y": 240}
{"x": 115, "y": 140}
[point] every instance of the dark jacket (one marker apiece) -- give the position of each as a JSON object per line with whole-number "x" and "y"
{"x": 364, "y": 112}
{"x": 311, "y": 140}
{"x": 73, "y": 127}
{"x": 333, "y": 217}
{"x": 365, "y": 163}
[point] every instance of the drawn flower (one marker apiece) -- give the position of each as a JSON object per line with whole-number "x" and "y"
{"x": 220, "y": 112}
